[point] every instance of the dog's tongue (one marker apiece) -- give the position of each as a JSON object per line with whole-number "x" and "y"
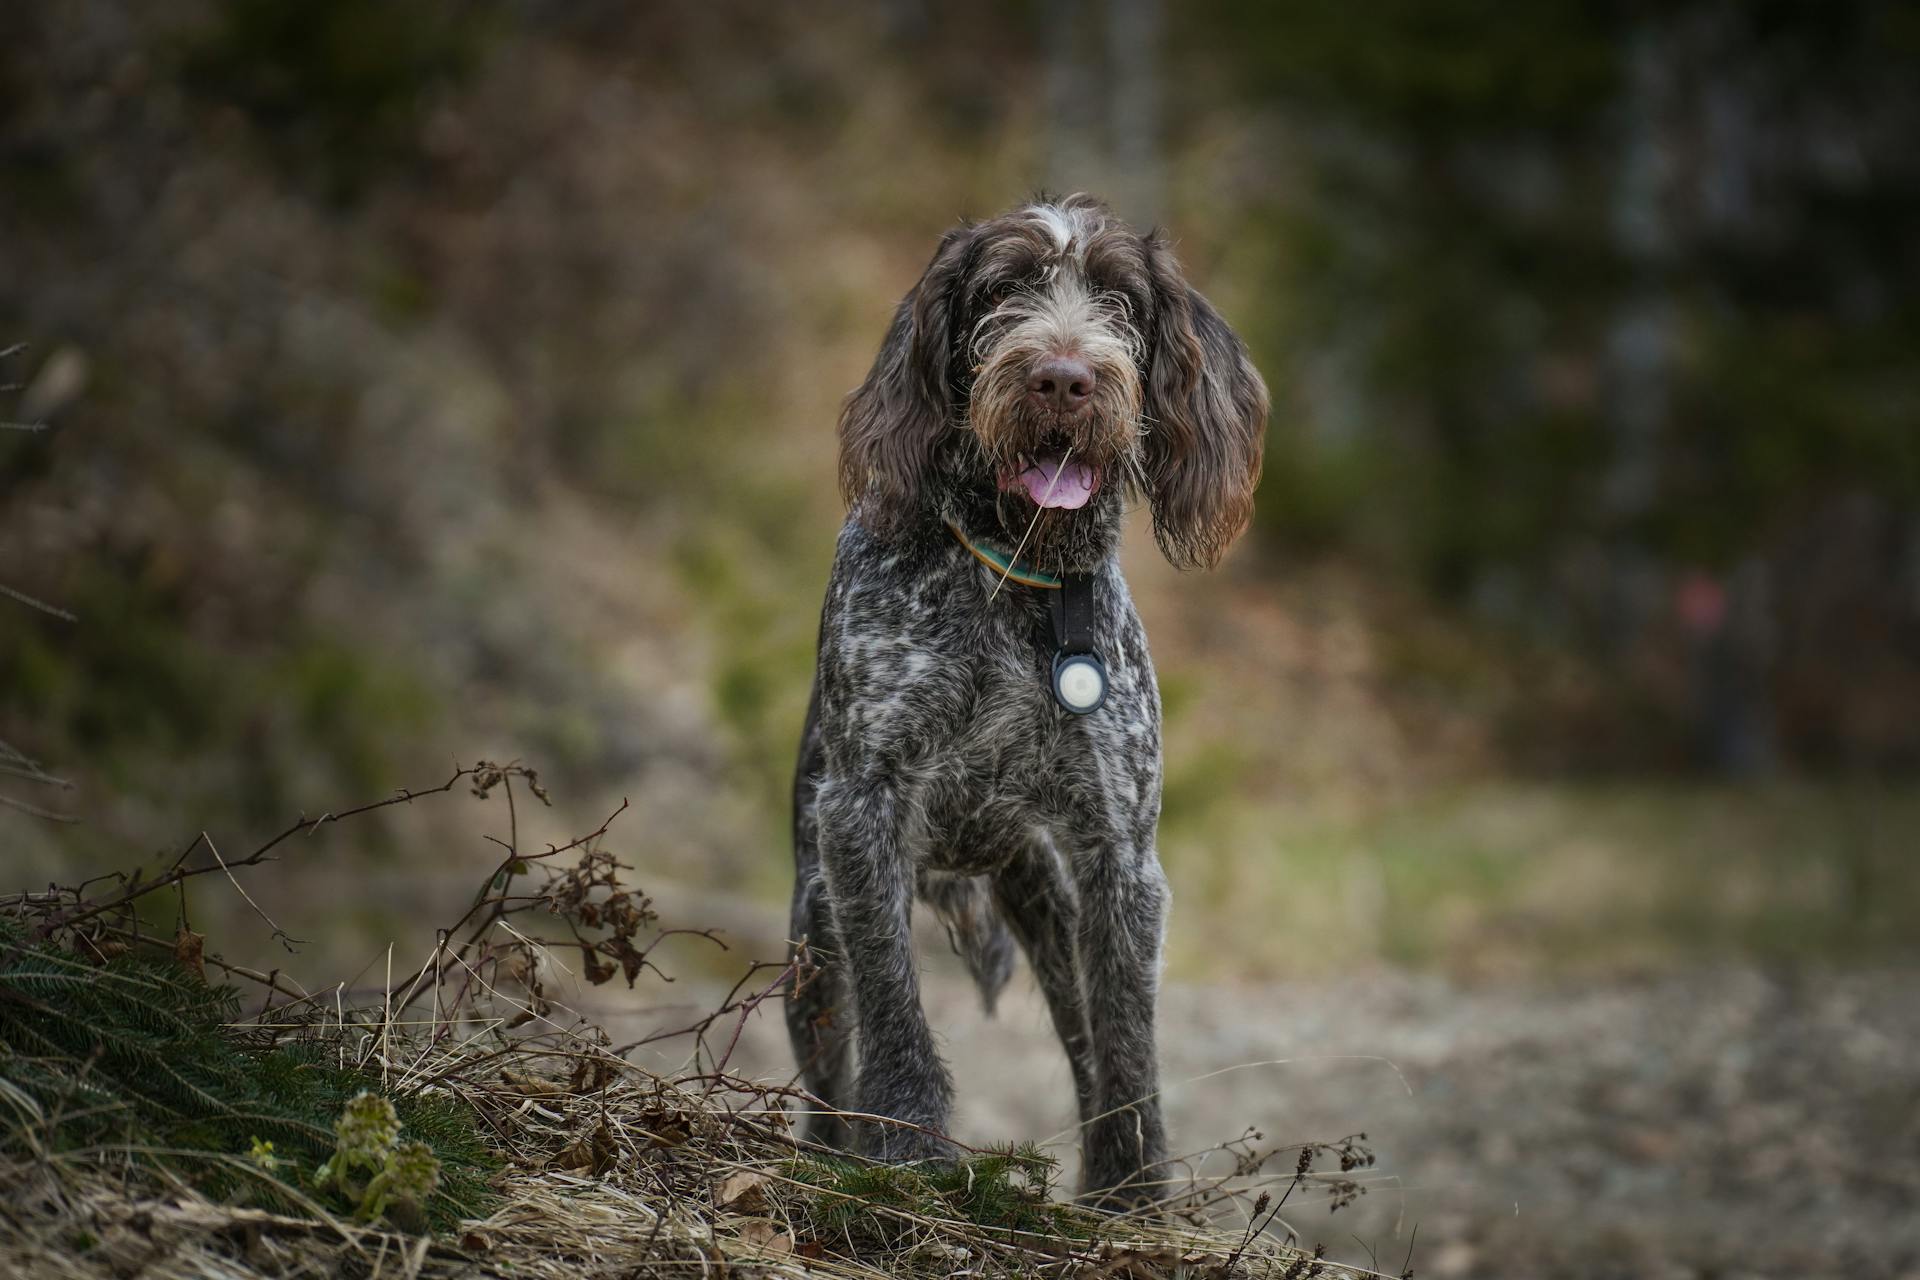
{"x": 1071, "y": 482}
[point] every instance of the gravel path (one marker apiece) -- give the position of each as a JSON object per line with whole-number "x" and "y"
{"x": 1725, "y": 1123}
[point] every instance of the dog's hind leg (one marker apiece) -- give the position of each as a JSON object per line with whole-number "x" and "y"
{"x": 819, "y": 1004}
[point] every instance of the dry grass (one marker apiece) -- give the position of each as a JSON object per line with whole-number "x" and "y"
{"x": 639, "y": 1178}
{"x": 606, "y": 1168}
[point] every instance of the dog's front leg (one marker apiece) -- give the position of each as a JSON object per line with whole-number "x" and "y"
{"x": 870, "y": 874}
{"x": 1123, "y": 903}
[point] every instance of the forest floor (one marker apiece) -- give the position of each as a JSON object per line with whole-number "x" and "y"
{"x": 1714, "y": 1122}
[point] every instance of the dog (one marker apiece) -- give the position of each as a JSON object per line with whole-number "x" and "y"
{"x": 984, "y": 726}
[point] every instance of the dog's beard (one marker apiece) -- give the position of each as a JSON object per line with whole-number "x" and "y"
{"x": 1059, "y": 541}
{"x": 1034, "y": 462}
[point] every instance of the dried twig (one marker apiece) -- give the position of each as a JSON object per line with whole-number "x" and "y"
{"x": 35, "y": 810}
{"x": 33, "y": 602}
{"x": 136, "y": 889}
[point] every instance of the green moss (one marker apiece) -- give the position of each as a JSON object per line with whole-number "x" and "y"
{"x": 349, "y": 704}
{"x": 400, "y": 294}
{"x": 1005, "y": 1189}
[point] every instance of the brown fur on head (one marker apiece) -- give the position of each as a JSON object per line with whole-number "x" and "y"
{"x": 1175, "y": 409}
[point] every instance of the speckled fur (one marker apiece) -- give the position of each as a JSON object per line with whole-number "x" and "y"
{"x": 935, "y": 761}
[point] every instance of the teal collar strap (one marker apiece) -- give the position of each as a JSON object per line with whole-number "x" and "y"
{"x": 1003, "y": 564}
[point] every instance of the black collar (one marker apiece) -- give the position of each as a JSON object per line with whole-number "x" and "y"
{"x": 1078, "y": 676}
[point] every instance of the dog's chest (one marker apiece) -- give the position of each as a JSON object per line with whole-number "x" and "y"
{"x": 1019, "y": 762}
{"x": 931, "y": 679}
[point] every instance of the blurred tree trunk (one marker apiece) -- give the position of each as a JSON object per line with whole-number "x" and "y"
{"x": 1071, "y": 146}
{"x": 1731, "y": 697}
{"x": 1104, "y": 112}
{"x": 1635, "y": 357}
{"x": 1134, "y": 35}
{"x": 1640, "y": 337}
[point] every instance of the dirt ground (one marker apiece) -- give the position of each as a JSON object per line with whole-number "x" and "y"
{"x": 1719, "y": 1123}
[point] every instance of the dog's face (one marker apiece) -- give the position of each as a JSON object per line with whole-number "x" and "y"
{"x": 1049, "y": 362}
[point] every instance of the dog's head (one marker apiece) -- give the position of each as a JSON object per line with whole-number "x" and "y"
{"x": 1049, "y": 362}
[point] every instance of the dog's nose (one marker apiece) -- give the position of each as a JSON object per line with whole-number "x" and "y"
{"x": 1061, "y": 383}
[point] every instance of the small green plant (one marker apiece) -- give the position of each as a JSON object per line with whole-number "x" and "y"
{"x": 262, "y": 1155}
{"x": 373, "y": 1171}
{"x": 401, "y": 1190}
{"x": 1004, "y": 1189}
{"x": 367, "y": 1129}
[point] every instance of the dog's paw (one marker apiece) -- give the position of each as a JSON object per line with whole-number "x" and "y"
{"x": 1136, "y": 1191}
{"x": 831, "y": 1129}
{"x": 901, "y": 1144}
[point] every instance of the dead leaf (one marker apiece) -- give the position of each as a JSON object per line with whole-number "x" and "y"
{"x": 532, "y": 1086}
{"x": 189, "y": 948}
{"x": 631, "y": 959}
{"x": 591, "y": 1075}
{"x": 595, "y": 1153}
{"x": 596, "y": 972}
{"x": 743, "y": 1192}
{"x": 668, "y": 1130}
{"x": 99, "y": 950}
{"x": 763, "y": 1236}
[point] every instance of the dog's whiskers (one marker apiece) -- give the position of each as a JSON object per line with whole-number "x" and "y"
{"x": 1136, "y": 467}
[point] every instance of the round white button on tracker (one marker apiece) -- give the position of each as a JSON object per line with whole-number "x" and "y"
{"x": 1079, "y": 682}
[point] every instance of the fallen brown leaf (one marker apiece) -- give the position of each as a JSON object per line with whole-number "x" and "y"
{"x": 766, "y": 1237}
{"x": 743, "y": 1192}
{"x": 532, "y": 1086}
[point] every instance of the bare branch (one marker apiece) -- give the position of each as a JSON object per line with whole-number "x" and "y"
{"x": 35, "y": 810}
{"x": 180, "y": 871}
{"x": 41, "y": 605}
{"x": 34, "y": 775}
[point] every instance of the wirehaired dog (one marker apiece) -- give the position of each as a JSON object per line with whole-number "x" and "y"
{"x": 985, "y": 727}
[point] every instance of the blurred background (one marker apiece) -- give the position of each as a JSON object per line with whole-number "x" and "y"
{"x": 417, "y": 383}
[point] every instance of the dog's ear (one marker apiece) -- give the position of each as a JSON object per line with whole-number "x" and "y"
{"x": 1206, "y": 421}
{"x": 891, "y": 424}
